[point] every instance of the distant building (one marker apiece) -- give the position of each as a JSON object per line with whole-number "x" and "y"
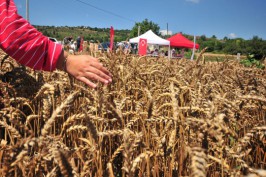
{"x": 164, "y": 32}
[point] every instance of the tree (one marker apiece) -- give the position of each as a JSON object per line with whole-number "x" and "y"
{"x": 214, "y": 37}
{"x": 210, "y": 44}
{"x": 218, "y": 46}
{"x": 225, "y": 38}
{"x": 232, "y": 47}
{"x": 46, "y": 33}
{"x": 144, "y": 27}
{"x": 257, "y": 47}
{"x": 203, "y": 38}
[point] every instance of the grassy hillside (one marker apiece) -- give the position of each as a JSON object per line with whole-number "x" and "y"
{"x": 100, "y": 34}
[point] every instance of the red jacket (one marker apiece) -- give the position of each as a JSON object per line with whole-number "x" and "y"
{"x": 23, "y": 42}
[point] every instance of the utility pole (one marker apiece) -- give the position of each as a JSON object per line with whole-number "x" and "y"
{"x": 167, "y": 29}
{"x": 27, "y": 10}
{"x": 138, "y": 30}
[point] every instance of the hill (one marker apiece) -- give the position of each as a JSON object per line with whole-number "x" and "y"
{"x": 88, "y": 33}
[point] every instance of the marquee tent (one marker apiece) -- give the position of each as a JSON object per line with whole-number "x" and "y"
{"x": 181, "y": 41}
{"x": 151, "y": 39}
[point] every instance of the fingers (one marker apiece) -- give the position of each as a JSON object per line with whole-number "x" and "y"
{"x": 91, "y": 76}
{"x": 88, "y": 69}
{"x": 99, "y": 69}
{"x": 96, "y": 72}
{"x": 87, "y": 82}
{"x": 96, "y": 77}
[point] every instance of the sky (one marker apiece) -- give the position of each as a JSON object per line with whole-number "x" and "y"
{"x": 222, "y": 18}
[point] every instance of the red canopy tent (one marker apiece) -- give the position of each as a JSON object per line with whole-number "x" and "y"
{"x": 181, "y": 41}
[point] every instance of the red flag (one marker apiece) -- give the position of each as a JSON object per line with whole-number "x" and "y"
{"x": 112, "y": 34}
{"x": 81, "y": 45}
{"x": 142, "y": 46}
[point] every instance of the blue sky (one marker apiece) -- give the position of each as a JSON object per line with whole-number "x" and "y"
{"x": 231, "y": 18}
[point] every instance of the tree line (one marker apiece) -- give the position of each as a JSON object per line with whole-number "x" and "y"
{"x": 255, "y": 46}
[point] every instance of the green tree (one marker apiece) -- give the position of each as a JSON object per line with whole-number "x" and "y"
{"x": 46, "y": 33}
{"x": 210, "y": 44}
{"x": 218, "y": 46}
{"x": 232, "y": 47}
{"x": 203, "y": 38}
{"x": 225, "y": 38}
{"x": 144, "y": 27}
{"x": 214, "y": 37}
{"x": 257, "y": 47}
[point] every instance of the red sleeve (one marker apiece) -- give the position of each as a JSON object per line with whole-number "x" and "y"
{"x": 23, "y": 42}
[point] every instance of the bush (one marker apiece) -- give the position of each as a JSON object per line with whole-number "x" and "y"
{"x": 251, "y": 61}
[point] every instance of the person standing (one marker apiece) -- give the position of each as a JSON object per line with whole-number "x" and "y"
{"x": 78, "y": 43}
{"x": 20, "y": 40}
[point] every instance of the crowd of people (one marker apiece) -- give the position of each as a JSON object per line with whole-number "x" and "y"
{"x": 77, "y": 45}
{"x": 73, "y": 45}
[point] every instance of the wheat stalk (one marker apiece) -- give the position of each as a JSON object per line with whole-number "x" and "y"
{"x": 66, "y": 104}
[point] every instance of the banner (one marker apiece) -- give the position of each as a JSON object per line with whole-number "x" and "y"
{"x": 112, "y": 34}
{"x": 81, "y": 44}
{"x": 142, "y": 46}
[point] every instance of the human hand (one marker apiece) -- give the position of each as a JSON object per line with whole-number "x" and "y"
{"x": 87, "y": 69}
{"x": 84, "y": 68}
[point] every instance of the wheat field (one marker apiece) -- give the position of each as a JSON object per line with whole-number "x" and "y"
{"x": 159, "y": 118}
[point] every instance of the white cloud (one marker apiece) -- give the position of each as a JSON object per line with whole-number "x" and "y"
{"x": 232, "y": 35}
{"x": 165, "y": 32}
{"x": 193, "y": 1}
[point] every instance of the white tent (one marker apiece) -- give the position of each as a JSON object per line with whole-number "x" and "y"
{"x": 151, "y": 39}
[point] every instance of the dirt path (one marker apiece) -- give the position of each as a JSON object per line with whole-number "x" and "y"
{"x": 221, "y": 55}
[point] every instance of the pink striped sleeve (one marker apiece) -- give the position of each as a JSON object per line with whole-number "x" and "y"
{"x": 23, "y": 42}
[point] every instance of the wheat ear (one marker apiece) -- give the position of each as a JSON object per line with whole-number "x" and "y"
{"x": 198, "y": 162}
{"x": 63, "y": 163}
{"x": 67, "y": 103}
